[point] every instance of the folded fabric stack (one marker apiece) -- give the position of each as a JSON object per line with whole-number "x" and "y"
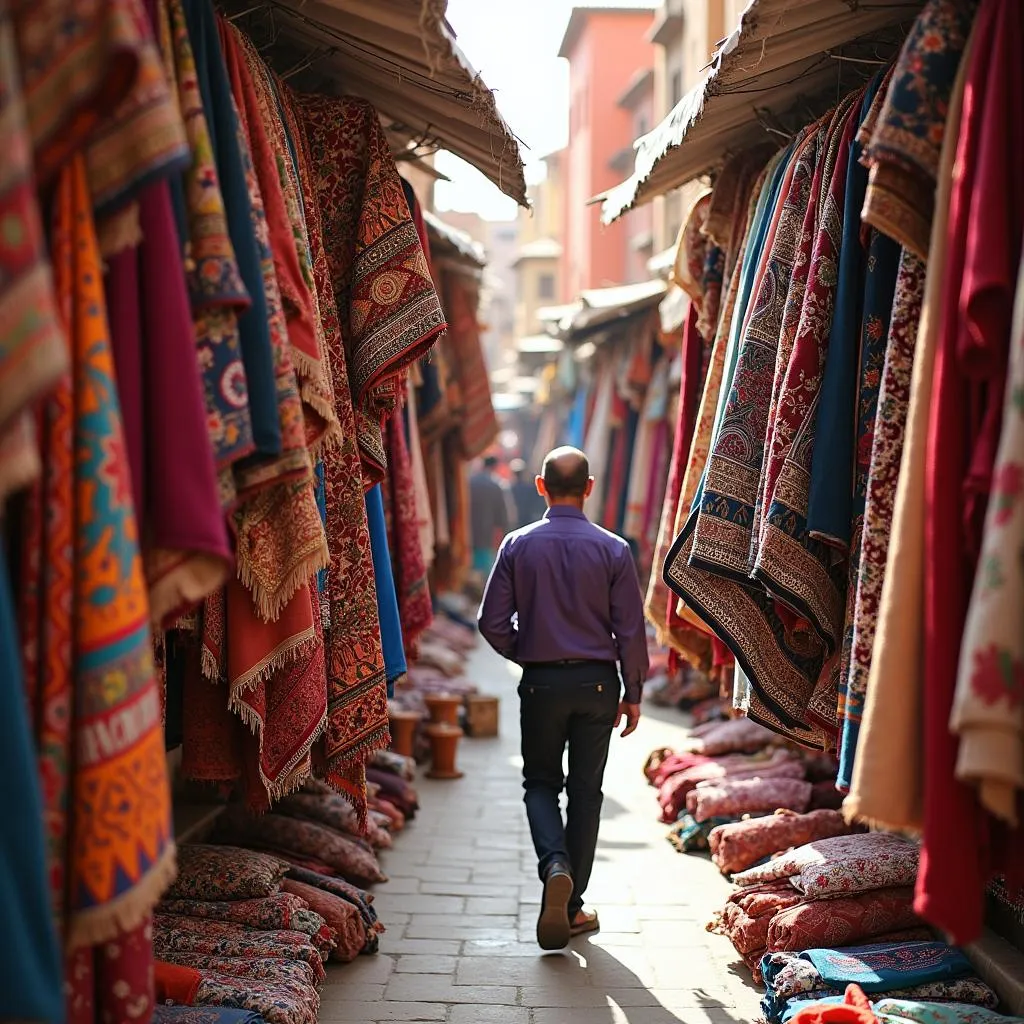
{"x": 855, "y": 1007}
{"x": 828, "y": 893}
{"x": 931, "y": 971}
{"x": 742, "y": 844}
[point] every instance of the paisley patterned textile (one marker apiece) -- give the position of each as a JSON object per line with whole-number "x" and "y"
{"x": 224, "y": 873}
{"x": 880, "y": 967}
{"x": 357, "y": 717}
{"x": 341, "y": 916}
{"x": 886, "y": 451}
{"x": 842, "y": 921}
{"x": 217, "y": 293}
{"x": 341, "y": 854}
{"x": 734, "y": 736}
{"x": 691, "y": 251}
{"x": 203, "y": 1015}
{"x": 361, "y": 900}
{"x": 904, "y": 148}
{"x": 732, "y": 799}
{"x": 278, "y": 912}
{"x": 749, "y": 913}
{"x": 789, "y": 563}
{"x": 740, "y": 845}
{"x": 265, "y": 968}
{"x": 119, "y": 861}
{"x": 276, "y": 1000}
{"x": 219, "y": 938}
{"x": 389, "y": 310}
{"x": 988, "y": 710}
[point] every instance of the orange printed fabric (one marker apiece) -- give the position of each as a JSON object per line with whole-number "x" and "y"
{"x": 121, "y": 851}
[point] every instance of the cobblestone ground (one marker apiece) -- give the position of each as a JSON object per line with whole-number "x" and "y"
{"x": 463, "y": 895}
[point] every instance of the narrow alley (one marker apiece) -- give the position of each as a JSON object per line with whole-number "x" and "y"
{"x": 461, "y": 905}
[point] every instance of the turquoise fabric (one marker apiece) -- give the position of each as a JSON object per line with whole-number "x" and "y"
{"x": 387, "y": 597}
{"x": 882, "y": 967}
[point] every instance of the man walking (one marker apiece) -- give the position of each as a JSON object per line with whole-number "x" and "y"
{"x": 490, "y": 514}
{"x": 563, "y": 600}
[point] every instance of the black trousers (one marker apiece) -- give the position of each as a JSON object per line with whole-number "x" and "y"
{"x": 575, "y": 706}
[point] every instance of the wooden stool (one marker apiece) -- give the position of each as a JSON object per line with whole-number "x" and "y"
{"x": 403, "y": 731}
{"x": 444, "y": 742}
{"x": 481, "y": 715}
{"x": 443, "y": 708}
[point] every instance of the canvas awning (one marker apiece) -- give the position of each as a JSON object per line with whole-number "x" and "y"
{"x": 402, "y": 56}
{"x": 789, "y": 58}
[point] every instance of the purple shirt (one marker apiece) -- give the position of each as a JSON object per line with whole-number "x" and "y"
{"x": 563, "y": 589}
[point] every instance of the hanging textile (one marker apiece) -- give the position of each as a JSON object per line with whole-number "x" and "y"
{"x": 389, "y": 310}
{"x": 959, "y": 849}
{"x": 904, "y": 150}
{"x": 30, "y": 973}
{"x": 887, "y": 789}
{"x": 185, "y": 544}
{"x": 217, "y": 293}
{"x": 387, "y": 600}
{"x": 278, "y": 185}
{"x": 357, "y": 722}
{"x": 988, "y": 713}
{"x": 404, "y": 535}
{"x": 118, "y": 862}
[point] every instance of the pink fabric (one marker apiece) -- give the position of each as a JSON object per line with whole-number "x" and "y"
{"x": 733, "y": 799}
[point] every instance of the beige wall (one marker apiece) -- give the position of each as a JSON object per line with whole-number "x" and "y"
{"x": 531, "y": 295}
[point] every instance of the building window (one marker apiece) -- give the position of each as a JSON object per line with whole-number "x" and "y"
{"x": 546, "y": 287}
{"x": 677, "y": 87}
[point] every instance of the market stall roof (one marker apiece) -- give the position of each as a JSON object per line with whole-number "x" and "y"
{"x": 402, "y": 56}
{"x": 602, "y": 306}
{"x": 783, "y": 56}
{"x": 453, "y": 243}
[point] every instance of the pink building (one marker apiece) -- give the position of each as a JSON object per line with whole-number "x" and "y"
{"x": 609, "y": 55}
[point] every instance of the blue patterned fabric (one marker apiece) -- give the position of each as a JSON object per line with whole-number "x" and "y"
{"x": 881, "y": 967}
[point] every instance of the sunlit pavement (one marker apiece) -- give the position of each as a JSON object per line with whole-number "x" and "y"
{"x": 462, "y": 900}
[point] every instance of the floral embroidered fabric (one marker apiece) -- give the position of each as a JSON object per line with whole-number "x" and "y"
{"x": 224, "y": 873}
{"x": 279, "y": 911}
{"x": 750, "y": 796}
{"x": 738, "y": 846}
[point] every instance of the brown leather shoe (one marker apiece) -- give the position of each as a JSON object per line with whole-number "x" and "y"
{"x": 553, "y": 929}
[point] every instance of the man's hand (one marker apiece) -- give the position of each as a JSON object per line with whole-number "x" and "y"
{"x": 631, "y": 712}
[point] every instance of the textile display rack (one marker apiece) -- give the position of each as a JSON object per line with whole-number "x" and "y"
{"x": 841, "y": 534}
{"x": 236, "y": 404}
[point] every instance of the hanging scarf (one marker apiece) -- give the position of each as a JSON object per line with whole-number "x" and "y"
{"x": 887, "y": 788}
{"x": 404, "y": 534}
{"x": 117, "y": 862}
{"x": 392, "y": 641}
{"x": 421, "y": 492}
{"x": 904, "y": 149}
{"x": 385, "y": 297}
{"x": 216, "y": 290}
{"x": 357, "y": 721}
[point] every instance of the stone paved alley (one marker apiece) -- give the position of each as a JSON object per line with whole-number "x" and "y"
{"x": 462, "y": 901}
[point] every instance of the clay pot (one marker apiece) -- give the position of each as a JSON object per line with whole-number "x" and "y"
{"x": 403, "y": 731}
{"x": 444, "y": 742}
{"x": 443, "y": 708}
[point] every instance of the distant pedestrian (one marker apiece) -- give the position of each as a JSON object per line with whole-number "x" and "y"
{"x": 530, "y": 505}
{"x": 490, "y": 510}
{"x": 563, "y": 600}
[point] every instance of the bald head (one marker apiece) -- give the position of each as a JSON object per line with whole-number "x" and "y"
{"x": 566, "y": 474}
